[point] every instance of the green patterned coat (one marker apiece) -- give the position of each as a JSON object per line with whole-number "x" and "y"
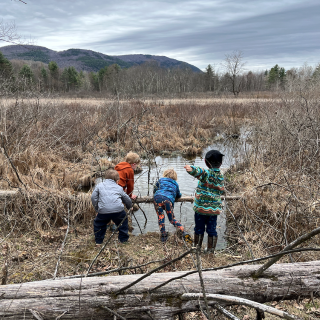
{"x": 208, "y": 193}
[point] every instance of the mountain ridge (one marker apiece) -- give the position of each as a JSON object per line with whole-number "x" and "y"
{"x": 87, "y": 60}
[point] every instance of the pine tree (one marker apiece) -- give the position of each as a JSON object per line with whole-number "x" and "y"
{"x": 5, "y": 66}
{"x": 277, "y": 77}
{"x": 26, "y": 73}
{"x": 70, "y": 78}
{"x": 209, "y": 78}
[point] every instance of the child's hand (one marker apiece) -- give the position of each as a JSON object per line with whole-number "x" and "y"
{"x": 188, "y": 168}
{"x": 134, "y": 197}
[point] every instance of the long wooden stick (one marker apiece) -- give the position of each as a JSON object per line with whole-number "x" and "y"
{"x": 293, "y": 244}
{"x": 237, "y": 300}
{"x": 154, "y": 270}
{"x": 233, "y": 265}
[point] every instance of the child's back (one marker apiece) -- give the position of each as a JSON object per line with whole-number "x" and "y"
{"x": 209, "y": 190}
{"x": 108, "y": 199}
{"x": 168, "y": 188}
{"x": 126, "y": 173}
{"x": 165, "y": 192}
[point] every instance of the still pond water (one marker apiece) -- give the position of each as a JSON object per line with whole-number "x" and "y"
{"x": 233, "y": 151}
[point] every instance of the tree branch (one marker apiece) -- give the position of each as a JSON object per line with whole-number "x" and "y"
{"x": 241, "y": 301}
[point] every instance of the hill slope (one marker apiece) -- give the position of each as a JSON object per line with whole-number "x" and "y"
{"x": 86, "y": 60}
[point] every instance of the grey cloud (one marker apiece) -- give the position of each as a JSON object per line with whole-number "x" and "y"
{"x": 198, "y": 32}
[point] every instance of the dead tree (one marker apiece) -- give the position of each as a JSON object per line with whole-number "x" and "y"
{"x": 95, "y": 298}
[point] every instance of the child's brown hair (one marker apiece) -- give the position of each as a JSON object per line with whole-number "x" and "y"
{"x": 170, "y": 173}
{"x": 112, "y": 174}
{"x": 132, "y": 157}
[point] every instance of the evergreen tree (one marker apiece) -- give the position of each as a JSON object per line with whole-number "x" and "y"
{"x": 282, "y": 78}
{"x": 209, "y": 78}
{"x": 316, "y": 73}
{"x": 44, "y": 76}
{"x": 53, "y": 67}
{"x": 54, "y": 73}
{"x": 94, "y": 81}
{"x": 5, "y": 66}
{"x": 70, "y": 78}
{"x": 101, "y": 77}
{"x": 276, "y": 77}
{"x": 26, "y": 73}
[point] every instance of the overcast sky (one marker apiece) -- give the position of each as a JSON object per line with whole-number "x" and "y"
{"x": 200, "y": 32}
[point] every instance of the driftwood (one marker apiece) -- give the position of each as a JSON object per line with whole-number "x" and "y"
{"x": 90, "y": 298}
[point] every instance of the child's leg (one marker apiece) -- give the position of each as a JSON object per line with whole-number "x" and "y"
{"x": 170, "y": 214}
{"x": 100, "y": 227}
{"x": 159, "y": 206}
{"x": 200, "y": 223}
{"x": 212, "y": 226}
{"x": 123, "y": 229}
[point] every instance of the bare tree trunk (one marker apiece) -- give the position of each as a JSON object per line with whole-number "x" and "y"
{"x": 90, "y": 298}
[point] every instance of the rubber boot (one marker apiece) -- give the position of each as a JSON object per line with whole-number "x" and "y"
{"x": 198, "y": 238}
{"x": 212, "y": 243}
{"x": 186, "y": 236}
{"x": 164, "y": 237}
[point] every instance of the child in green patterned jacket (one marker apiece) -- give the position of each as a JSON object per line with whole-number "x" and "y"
{"x": 207, "y": 202}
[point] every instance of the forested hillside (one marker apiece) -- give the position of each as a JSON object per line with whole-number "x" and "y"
{"x": 86, "y": 60}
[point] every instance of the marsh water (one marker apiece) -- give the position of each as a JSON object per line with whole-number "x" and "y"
{"x": 233, "y": 149}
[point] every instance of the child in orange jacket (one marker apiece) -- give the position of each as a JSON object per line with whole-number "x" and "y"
{"x": 126, "y": 173}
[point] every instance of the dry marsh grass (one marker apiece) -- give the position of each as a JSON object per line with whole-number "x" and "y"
{"x": 50, "y": 148}
{"x": 280, "y": 180}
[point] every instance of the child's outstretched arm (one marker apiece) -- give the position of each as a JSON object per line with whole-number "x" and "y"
{"x": 195, "y": 171}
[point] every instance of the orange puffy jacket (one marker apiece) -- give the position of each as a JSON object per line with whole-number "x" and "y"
{"x": 126, "y": 177}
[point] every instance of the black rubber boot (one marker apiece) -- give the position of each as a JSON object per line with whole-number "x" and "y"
{"x": 198, "y": 238}
{"x": 164, "y": 237}
{"x": 212, "y": 243}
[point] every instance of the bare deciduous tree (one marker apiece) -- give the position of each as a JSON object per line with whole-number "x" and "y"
{"x": 8, "y": 32}
{"x": 234, "y": 66}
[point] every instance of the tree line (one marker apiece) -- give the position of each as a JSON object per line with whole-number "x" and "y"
{"x": 149, "y": 78}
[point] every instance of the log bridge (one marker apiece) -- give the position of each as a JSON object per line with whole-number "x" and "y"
{"x": 93, "y": 298}
{"x": 8, "y": 194}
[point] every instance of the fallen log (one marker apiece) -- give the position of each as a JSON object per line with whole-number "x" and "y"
{"x": 184, "y": 199}
{"x": 90, "y": 298}
{"x": 7, "y": 194}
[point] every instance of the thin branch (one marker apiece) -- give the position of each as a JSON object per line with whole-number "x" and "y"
{"x": 201, "y": 281}
{"x": 240, "y": 301}
{"x": 110, "y": 271}
{"x": 243, "y": 237}
{"x": 225, "y": 312}
{"x": 8, "y": 235}
{"x": 62, "y": 246}
{"x": 154, "y": 270}
{"x": 113, "y": 312}
{"x": 137, "y": 222}
{"x": 233, "y": 265}
{"x": 293, "y": 244}
{"x": 9, "y": 159}
{"x": 96, "y": 257}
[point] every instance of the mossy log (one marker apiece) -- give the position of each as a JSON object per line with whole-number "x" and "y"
{"x": 87, "y": 298}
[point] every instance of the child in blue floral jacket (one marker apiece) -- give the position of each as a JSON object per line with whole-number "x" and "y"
{"x": 165, "y": 191}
